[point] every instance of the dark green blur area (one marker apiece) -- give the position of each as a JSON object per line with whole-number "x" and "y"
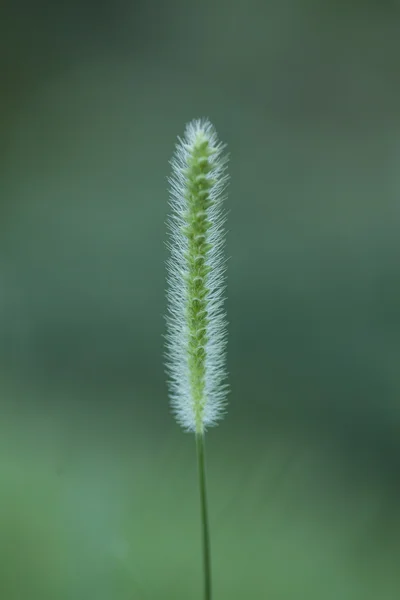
{"x": 98, "y": 484}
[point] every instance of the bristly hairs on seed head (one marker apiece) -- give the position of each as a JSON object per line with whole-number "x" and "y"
{"x": 196, "y": 281}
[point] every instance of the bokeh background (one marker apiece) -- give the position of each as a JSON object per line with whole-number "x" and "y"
{"x": 98, "y": 484}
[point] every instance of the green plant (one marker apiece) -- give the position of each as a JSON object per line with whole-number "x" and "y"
{"x": 196, "y": 326}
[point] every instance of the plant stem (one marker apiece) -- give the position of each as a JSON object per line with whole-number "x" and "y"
{"x": 204, "y": 516}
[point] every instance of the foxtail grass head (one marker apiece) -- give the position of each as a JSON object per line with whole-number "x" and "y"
{"x": 196, "y": 325}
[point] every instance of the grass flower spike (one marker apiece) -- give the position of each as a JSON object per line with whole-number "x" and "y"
{"x": 196, "y": 327}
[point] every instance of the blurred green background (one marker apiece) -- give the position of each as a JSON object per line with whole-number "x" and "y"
{"x": 98, "y": 484}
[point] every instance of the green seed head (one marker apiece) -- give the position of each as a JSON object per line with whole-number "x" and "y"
{"x": 196, "y": 326}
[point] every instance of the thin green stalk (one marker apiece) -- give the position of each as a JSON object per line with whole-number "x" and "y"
{"x": 204, "y": 516}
